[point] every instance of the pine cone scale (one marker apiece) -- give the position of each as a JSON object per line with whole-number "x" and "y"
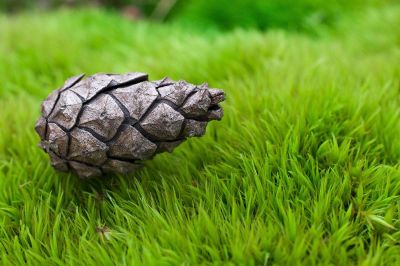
{"x": 66, "y": 110}
{"x": 132, "y": 145}
{"x": 103, "y": 116}
{"x": 136, "y": 98}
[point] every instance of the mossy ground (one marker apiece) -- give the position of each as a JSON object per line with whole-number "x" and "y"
{"x": 303, "y": 169}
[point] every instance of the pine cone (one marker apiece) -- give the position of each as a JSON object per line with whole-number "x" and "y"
{"x": 109, "y": 123}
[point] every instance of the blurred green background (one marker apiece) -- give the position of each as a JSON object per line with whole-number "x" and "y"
{"x": 223, "y": 14}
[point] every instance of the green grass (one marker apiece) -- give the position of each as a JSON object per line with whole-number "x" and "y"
{"x": 303, "y": 169}
{"x": 298, "y": 15}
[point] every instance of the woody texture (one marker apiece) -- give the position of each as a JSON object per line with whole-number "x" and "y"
{"x": 108, "y": 123}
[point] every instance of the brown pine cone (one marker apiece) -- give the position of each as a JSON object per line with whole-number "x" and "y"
{"x": 108, "y": 123}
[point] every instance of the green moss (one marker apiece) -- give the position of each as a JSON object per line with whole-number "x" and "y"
{"x": 304, "y": 15}
{"x": 303, "y": 169}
